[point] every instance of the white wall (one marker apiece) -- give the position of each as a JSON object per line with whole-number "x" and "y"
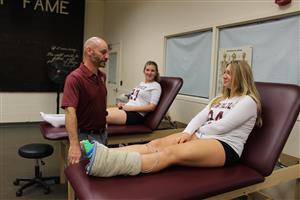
{"x": 141, "y": 27}
{"x": 25, "y": 107}
{"x": 94, "y": 16}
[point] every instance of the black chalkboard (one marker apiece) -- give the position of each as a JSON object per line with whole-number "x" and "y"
{"x": 39, "y": 39}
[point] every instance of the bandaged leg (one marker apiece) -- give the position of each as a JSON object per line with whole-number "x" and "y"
{"x": 55, "y": 120}
{"x": 107, "y": 162}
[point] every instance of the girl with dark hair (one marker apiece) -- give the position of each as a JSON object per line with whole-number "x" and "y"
{"x": 142, "y": 99}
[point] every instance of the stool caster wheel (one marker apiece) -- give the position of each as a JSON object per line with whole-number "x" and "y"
{"x": 19, "y": 193}
{"x": 16, "y": 182}
{"x": 56, "y": 181}
{"x": 47, "y": 191}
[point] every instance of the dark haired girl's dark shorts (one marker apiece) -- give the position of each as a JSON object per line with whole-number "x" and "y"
{"x": 231, "y": 157}
{"x": 133, "y": 117}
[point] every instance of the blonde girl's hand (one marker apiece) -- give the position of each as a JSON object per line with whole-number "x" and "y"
{"x": 121, "y": 105}
{"x": 184, "y": 137}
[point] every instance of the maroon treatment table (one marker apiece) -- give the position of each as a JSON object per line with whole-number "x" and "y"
{"x": 253, "y": 173}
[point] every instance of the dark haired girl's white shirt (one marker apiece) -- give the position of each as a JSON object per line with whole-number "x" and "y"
{"x": 144, "y": 94}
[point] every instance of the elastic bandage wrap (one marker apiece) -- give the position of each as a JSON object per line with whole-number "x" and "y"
{"x": 155, "y": 164}
{"x": 150, "y": 148}
{"x": 107, "y": 162}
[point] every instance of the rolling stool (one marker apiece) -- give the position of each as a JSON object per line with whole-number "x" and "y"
{"x": 36, "y": 151}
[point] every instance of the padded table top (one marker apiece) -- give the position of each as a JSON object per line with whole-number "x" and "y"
{"x": 50, "y": 132}
{"x": 173, "y": 183}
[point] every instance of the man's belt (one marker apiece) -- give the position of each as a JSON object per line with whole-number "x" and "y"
{"x": 92, "y": 131}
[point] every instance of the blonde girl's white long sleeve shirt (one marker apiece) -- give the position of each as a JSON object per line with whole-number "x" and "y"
{"x": 230, "y": 121}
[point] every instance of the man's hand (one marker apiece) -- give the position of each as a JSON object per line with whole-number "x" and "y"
{"x": 184, "y": 137}
{"x": 74, "y": 154}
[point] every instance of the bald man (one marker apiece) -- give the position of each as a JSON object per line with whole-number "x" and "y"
{"x": 84, "y": 99}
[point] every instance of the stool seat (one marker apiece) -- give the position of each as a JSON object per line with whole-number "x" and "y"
{"x": 35, "y": 150}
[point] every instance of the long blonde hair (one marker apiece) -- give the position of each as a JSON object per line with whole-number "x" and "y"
{"x": 242, "y": 83}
